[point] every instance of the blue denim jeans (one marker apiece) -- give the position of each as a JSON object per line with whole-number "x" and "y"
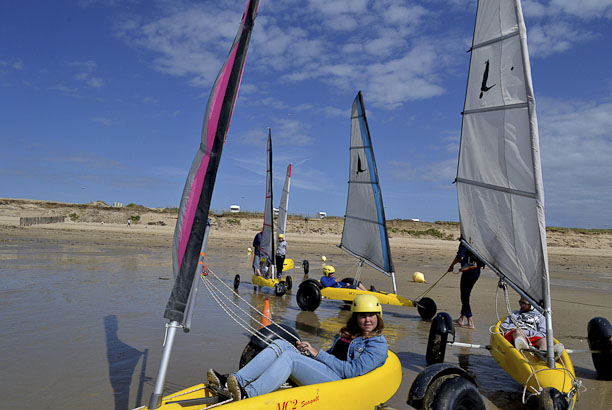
{"x": 275, "y": 364}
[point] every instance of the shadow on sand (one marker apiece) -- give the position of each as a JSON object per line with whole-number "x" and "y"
{"x": 122, "y": 361}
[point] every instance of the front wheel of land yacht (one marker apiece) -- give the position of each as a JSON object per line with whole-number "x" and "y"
{"x": 552, "y": 399}
{"x": 263, "y": 338}
{"x": 439, "y": 330}
{"x": 599, "y": 333}
{"x": 308, "y": 296}
{"x": 236, "y": 281}
{"x": 457, "y": 393}
{"x": 280, "y": 289}
{"x": 306, "y": 266}
{"x": 289, "y": 282}
{"x": 427, "y": 308}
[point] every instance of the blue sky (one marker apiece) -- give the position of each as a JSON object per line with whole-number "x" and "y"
{"x": 104, "y": 100}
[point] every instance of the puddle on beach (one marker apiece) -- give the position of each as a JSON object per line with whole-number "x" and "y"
{"x": 83, "y": 328}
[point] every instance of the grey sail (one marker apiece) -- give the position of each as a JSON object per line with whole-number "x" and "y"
{"x": 365, "y": 229}
{"x": 499, "y": 177}
{"x": 267, "y": 237}
{"x": 281, "y": 224}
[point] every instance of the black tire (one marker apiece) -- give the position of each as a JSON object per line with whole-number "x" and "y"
{"x": 552, "y": 399}
{"x": 308, "y": 296}
{"x": 280, "y": 289}
{"x": 438, "y": 336}
{"x": 305, "y": 266}
{"x": 427, "y": 308}
{"x": 250, "y": 351}
{"x": 458, "y": 393}
{"x": 289, "y": 282}
{"x": 599, "y": 333}
{"x": 236, "y": 281}
{"x": 348, "y": 281}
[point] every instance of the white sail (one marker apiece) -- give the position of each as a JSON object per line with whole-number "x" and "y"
{"x": 365, "y": 229}
{"x": 499, "y": 178}
{"x": 267, "y": 237}
{"x": 281, "y": 224}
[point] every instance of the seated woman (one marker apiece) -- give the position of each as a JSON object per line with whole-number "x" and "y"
{"x": 359, "y": 348}
{"x": 531, "y": 328}
{"x": 328, "y": 280}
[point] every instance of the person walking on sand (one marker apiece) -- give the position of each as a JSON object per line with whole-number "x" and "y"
{"x": 257, "y": 251}
{"x": 281, "y": 251}
{"x": 470, "y": 272}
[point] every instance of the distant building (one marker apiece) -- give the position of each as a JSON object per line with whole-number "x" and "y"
{"x": 235, "y": 208}
{"x": 322, "y": 215}
{"x": 117, "y": 204}
{"x": 276, "y": 211}
{"x": 414, "y": 220}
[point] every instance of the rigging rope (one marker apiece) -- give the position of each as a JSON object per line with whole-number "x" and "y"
{"x": 249, "y": 328}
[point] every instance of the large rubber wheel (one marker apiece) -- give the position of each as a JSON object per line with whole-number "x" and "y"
{"x": 552, "y": 399}
{"x": 308, "y": 296}
{"x": 280, "y": 289}
{"x": 289, "y": 282}
{"x": 436, "y": 343}
{"x": 457, "y": 393}
{"x": 427, "y": 308}
{"x": 236, "y": 281}
{"x": 599, "y": 333}
{"x": 250, "y": 351}
{"x": 306, "y": 266}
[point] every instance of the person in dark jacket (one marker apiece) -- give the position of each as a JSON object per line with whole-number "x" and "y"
{"x": 470, "y": 272}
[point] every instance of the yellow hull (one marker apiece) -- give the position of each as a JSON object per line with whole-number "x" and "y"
{"x": 288, "y": 264}
{"x": 348, "y": 295}
{"x": 363, "y": 392}
{"x": 261, "y": 281}
{"x": 530, "y": 369}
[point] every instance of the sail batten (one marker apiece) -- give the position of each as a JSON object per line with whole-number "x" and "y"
{"x": 499, "y": 180}
{"x": 365, "y": 231}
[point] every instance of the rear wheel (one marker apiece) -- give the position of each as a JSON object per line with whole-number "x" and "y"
{"x": 599, "y": 333}
{"x": 436, "y": 343}
{"x": 236, "y": 281}
{"x": 306, "y": 266}
{"x": 457, "y": 393}
{"x": 308, "y": 296}
{"x": 280, "y": 289}
{"x": 289, "y": 282}
{"x": 552, "y": 399}
{"x": 250, "y": 351}
{"x": 427, "y": 308}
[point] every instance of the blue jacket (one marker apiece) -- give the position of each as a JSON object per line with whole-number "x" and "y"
{"x": 329, "y": 282}
{"x": 364, "y": 355}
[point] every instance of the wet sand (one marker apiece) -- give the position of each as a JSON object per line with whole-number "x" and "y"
{"x": 82, "y": 307}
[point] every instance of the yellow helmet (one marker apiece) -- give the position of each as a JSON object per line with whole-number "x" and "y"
{"x": 263, "y": 259}
{"x": 328, "y": 270}
{"x": 366, "y": 304}
{"x": 281, "y": 236}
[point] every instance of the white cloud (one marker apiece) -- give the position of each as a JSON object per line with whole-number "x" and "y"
{"x": 104, "y": 121}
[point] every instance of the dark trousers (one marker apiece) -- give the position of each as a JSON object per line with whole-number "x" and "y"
{"x": 280, "y": 260}
{"x": 468, "y": 280}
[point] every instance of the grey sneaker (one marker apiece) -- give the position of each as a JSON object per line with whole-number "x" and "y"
{"x": 520, "y": 343}
{"x": 235, "y": 388}
{"x": 558, "y": 349}
{"x": 216, "y": 380}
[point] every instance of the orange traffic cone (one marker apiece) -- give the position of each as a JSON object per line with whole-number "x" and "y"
{"x": 265, "y": 318}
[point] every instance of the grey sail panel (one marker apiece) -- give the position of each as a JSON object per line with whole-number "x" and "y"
{"x": 267, "y": 236}
{"x": 365, "y": 228}
{"x": 281, "y": 224}
{"x": 499, "y": 179}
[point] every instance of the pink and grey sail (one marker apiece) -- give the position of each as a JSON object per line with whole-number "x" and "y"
{"x": 196, "y": 197}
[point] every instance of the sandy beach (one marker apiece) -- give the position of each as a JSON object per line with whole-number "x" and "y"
{"x": 60, "y": 277}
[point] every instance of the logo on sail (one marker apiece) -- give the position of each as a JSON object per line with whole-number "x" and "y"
{"x": 359, "y": 166}
{"x": 485, "y": 78}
